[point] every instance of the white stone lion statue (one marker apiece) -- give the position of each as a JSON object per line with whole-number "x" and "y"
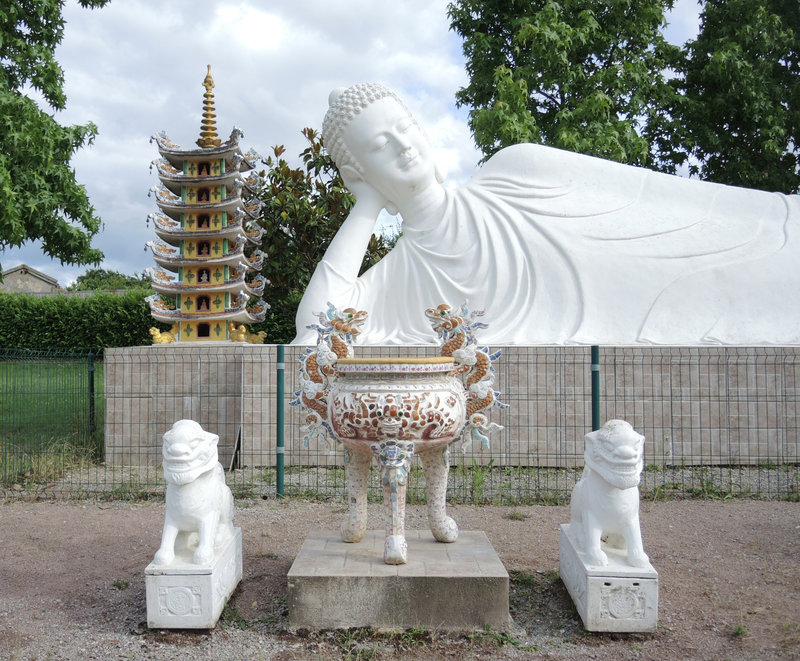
{"x": 605, "y": 501}
{"x": 198, "y": 500}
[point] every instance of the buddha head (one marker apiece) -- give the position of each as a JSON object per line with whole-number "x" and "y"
{"x": 373, "y": 137}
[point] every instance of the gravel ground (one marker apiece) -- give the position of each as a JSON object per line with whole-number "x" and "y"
{"x": 72, "y": 585}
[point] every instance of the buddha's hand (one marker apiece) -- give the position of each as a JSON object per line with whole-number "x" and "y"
{"x": 368, "y": 200}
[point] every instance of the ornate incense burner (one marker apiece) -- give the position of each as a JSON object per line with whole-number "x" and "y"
{"x": 391, "y": 409}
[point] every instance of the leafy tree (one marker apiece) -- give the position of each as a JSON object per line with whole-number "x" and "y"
{"x": 587, "y": 76}
{"x": 303, "y": 208}
{"x": 98, "y": 279}
{"x": 741, "y": 110}
{"x": 39, "y": 197}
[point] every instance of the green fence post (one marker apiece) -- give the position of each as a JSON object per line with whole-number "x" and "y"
{"x": 595, "y": 388}
{"x": 92, "y": 420}
{"x": 279, "y": 442}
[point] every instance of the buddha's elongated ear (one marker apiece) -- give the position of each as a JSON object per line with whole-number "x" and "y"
{"x": 350, "y": 175}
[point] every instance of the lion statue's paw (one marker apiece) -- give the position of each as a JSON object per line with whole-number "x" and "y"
{"x": 638, "y": 559}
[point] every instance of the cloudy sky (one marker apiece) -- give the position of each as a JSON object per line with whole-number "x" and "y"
{"x": 136, "y": 67}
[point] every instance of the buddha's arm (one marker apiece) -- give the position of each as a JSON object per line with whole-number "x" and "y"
{"x": 337, "y": 272}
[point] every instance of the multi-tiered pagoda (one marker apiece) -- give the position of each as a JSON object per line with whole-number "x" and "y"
{"x": 208, "y": 257}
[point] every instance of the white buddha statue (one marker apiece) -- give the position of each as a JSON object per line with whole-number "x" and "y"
{"x": 556, "y": 247}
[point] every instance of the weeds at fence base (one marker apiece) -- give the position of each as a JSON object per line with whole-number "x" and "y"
{"x": 25, "y": 469}
{"x": 60, "y": 472}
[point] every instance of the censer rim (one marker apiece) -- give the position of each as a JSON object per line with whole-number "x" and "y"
{"x": 433, "y": 360}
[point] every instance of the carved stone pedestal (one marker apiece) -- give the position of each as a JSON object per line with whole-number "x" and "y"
{"x": 183, "y": 595}
{"x": 616, "y": 597}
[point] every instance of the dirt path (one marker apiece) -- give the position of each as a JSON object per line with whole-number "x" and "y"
{"x": 72, "y": 585}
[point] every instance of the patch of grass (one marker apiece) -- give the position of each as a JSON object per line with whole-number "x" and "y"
{"x": 415, "y": 494}
{"x": 268, "y": 476}
{"x": 475, "y": 479}
{"x": 794, "y": 487}
{"x": 365, "y": 643}
{"x": 549, "y": 498}
{"x": 415, "y": 637}
{"x": 480, "y": 474}
{"x": 739, "y": 631}
{"x": 523, "y": 578}
{"x": 243, "y": 491}
{"x": 352, "y": 643}
{"x": 500, "y": 639}
{"x": 120, "y": 584}
{"x": 707, "y": 486}
{"x": 666, "y": 490}
{"x": 790, "y": 634}
{"x": 516, "y": 515}
{"x": 230, "y": 618}
{"x": 133, "y": 493}
{"x": 307, "y": 493}
{"x": 24, "y": 467}
{"x": 42, "y": 400}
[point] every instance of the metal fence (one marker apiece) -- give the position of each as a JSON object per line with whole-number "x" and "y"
{"x": 51, "y": 417}
{"x": 719, "y": 422}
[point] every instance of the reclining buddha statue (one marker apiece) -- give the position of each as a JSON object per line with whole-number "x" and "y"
{"x": 556, "y": 247}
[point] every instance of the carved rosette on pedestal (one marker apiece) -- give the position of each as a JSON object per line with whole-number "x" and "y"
{"x": 391, "y": 409}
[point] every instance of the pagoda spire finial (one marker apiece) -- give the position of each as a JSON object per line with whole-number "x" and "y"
{"x": 208, "y": 126}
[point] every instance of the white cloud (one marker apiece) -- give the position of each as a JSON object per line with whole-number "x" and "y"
{"x": 249, "y": 27}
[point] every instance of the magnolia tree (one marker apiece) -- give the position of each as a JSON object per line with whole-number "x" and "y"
{"x": 303, "y": 207}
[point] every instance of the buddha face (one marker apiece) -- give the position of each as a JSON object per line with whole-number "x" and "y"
{"x": 395, "y": 156}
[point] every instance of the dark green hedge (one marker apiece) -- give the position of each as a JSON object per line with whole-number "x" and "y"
{"x": 76, "y": 323}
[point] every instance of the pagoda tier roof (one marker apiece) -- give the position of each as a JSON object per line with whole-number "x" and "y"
{"x": 252, "y": 183}
{"x": 165, "y": 283}
{"x": 174, "y": 178}
{"x": 173, "y": 205}
{"x": 170, "y": 230}
{"x": 254, "y": 234}
{"x": 229, "y": 150}
{"x": 172, "y": 259}
{"x": 237, "y": 312}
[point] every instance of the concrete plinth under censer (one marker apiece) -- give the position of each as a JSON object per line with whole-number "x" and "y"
{"x": 460, "y": 586}
{"x": 614, "y": 598}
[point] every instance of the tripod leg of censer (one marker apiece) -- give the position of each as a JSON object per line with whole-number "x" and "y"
{"x": 436, "y": 466}
{"x": 395, "y": 550}
{"x": 356, "y": 469}
{"x": 395, "y": 459}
